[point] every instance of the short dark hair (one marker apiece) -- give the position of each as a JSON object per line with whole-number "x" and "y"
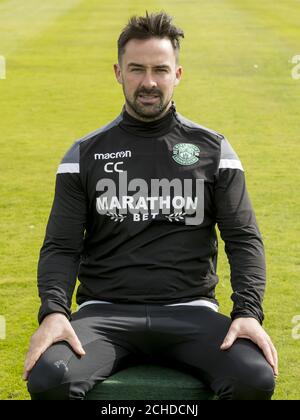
{"x": 153, "y": 25}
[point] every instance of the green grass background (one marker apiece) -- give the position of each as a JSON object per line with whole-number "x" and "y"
{"x": 60, "y": 85}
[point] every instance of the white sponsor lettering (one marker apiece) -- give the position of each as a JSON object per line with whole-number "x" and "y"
{"x": 113, "y": 155}
{"x": 158, "y": 198}
{"x": 113, "y": 166}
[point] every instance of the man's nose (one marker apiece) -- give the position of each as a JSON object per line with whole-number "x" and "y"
{"x": 149, "y": 81}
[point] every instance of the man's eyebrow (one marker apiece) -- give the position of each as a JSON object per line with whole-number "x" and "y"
{"x": 142, "y": 66}
{"x": 163, "y": 66}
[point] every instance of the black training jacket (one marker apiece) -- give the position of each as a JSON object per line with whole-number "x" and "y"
{"x": 134, "y": 215}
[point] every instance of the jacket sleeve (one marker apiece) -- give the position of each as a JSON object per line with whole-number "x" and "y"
{"x": 63, "y": 244}
{"x": 239, "y": 230}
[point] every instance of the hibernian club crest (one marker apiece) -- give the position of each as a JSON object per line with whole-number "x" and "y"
{"x": 186, "y": 153}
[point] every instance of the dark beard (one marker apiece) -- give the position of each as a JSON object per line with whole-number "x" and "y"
{"x": 147, "y": 113}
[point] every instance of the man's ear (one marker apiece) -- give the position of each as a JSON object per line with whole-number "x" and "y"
{"x": 118, "y": 73}
{"x": 179, "y": 72}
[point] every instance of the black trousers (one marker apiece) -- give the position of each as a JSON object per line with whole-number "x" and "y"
{"x": 184, "y": 337}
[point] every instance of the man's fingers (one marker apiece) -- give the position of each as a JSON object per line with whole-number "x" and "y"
{"x": 33, "y": 355}
{"x": 75, "y": 344}
{"x": 25, "y": 372}
{"x": 229, "y": 339}
{"x": 266, "y": 348}
{"x": 275, "y": 356}
{"x": 31, "y": 360}
{"x": 54, "y": 328}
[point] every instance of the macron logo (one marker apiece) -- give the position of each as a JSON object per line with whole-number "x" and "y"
{"x": 114, "y": 155}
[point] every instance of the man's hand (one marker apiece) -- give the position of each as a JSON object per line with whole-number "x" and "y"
{"x": 250, "y": 328}
{"x": 54, "y": 328}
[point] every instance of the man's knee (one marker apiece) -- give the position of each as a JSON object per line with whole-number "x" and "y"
{"x": 46, "y": 380}
{"x": 257, "y": 384}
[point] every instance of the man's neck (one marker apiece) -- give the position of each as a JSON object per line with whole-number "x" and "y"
{"x": 138, "y": 117}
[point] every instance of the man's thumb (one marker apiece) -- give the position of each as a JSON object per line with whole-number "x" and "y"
{"x": 76, "y": 345}
{"x": 229, "y": 340}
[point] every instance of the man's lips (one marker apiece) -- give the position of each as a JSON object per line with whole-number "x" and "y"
{"x": 148, "y": 98}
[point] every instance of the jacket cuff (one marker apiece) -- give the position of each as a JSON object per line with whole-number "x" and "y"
{"x": 243, "y": 314}
{"x": 50, "y": 307}
{"x": 247, "y": 313}
{"x": 244, "y": 308}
